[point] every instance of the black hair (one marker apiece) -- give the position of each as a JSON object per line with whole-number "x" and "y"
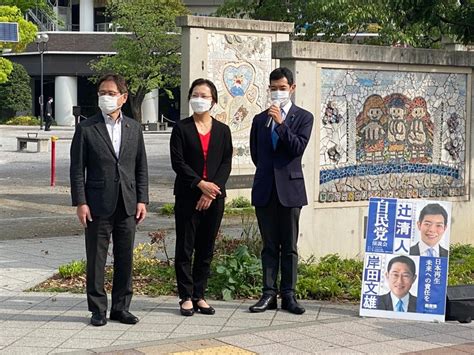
{"x": 117, "y": 79}
{"x": 405, "y": 260}
{"x": 207, "y": 82}
{"x": 280, "y": 73}
{"x": 433, "y": 209}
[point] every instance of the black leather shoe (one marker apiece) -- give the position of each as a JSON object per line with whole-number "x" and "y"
{"x": 187, "y": 312}
{"x": 204, "y": 310}
{"x": 124, "y": 317}
{"x": 265, "y": 302}
{"x": 290, "y": 304}
{"x": 98, "y": 319}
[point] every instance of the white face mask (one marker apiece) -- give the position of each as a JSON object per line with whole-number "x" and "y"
{"x": 281, "y": 96}
{"x": 200, "y": 105}
{"x": 108, "y": 104}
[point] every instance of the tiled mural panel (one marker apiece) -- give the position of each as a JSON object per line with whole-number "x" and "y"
{"x": 392, "y": 134}
{"x": 239, "y": 65}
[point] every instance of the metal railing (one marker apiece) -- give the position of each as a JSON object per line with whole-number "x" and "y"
{"x": 42, "y": 19}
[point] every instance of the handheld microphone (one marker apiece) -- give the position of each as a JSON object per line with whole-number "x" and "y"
{"x": 270, "y": 118}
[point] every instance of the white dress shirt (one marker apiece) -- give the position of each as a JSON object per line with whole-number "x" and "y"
{"x": 405, "y": 301}
{"x": 114, "y": 127}
{"x": 424, "y": 249}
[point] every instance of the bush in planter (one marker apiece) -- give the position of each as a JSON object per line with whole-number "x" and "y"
{"x": 15, "y": 94}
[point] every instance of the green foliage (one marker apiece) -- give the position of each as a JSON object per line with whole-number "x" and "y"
{"x": 24, "y": 5}
{"x": 150, "y": 57}
{"x": 27, "y": 30}
{"x": 418, "y": 23}
{"x": 6, "y": 67}
{"x": 236, "y": 275}
{"x": 15, "y": 94}
{"x": 239, "y": 202}
{"x": 21, "y": 121}
{"x": 167, "y": 209}
{"x": 461, "y": 264}
{"x": 330, "y": 278}
{"x": 73, "y": 269}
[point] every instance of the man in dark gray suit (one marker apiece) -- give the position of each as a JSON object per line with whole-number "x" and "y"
{"x": 109, "y": 186}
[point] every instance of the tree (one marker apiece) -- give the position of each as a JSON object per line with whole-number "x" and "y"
{"x": 27, "y": 32}
{"x": 24, "y": 5}
{"x": 15, "y": 95}
{"x": 149, "y": 58}
{"x": 418, "y": 23}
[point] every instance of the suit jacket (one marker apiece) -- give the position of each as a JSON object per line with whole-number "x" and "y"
{"x": 187, "y": 158}
{"x": 415, "y": 250}
{"x": 283, "y": 165}
{"x": 385, "y": 303}
{"x": 97, "y": 174}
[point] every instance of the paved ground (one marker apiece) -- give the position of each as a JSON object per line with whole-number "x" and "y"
{"x": 38, "y": 232}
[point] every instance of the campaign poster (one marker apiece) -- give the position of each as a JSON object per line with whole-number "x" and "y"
{"x": 406, "y": 259}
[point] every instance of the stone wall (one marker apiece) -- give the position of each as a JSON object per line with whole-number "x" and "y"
{"x": 391, "y": 122}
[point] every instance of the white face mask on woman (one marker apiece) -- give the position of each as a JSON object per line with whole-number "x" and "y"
{"x": 281, "y": 96}
{"x": 108, "y": 104}
{"x": 200, "y": 105}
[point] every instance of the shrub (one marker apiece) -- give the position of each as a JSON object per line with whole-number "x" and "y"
{"x": 330, "y": 278}
{"x": 15, "y": 94}
{"x": 22, "y": 121}
{"x": 236, "y": 275}
{"x": 461, "y": 264}
{"x": 239, "y": 202}
{"x": 73, "y": 269}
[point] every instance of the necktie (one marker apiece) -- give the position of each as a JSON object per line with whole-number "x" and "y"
{"x": 274, "y": 134}
{"x": 400, "y": 306}
{"x": 430, "y": 252}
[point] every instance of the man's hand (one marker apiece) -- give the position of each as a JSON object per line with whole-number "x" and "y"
{"x": 204, "y": 203}
{"x": 275, "y": 113}
{"x": 84, "y": 214}
{"x": 141, "y": 212}
{"x": 209, "y": 189}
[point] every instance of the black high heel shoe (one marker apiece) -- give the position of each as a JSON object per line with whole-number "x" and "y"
{"x": 204, "y": 310}
{"x": 187, "y": 312}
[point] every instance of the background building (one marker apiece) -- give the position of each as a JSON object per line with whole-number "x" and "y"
{"x": 82, "y": 34}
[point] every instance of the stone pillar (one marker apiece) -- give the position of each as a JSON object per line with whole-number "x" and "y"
{"x": 65, "y": 97}
{"x": 150, "y": 110}
{"x": 86, "y": 15}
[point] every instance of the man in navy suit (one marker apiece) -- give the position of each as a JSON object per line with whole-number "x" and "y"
{"x": 278, "y": 139}
{"x": 400, "y": 275}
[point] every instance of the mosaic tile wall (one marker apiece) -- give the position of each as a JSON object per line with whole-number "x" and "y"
{"x": 239, "y": 66}
{"x": 392, "y": 134}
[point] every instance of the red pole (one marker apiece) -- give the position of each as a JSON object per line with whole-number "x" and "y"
{"x": 53, "y": 160}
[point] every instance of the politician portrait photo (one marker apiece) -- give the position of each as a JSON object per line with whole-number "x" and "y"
{"x": 400, "y": 276}
{"x": 431, "y": 237}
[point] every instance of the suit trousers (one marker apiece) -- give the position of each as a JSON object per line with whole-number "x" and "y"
{"x": 196, "y": 233}
{"x": 122, "y": 229}
{"x": 279, "y": 229}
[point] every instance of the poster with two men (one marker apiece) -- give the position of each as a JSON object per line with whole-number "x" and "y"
{"x": 406, "y": 259}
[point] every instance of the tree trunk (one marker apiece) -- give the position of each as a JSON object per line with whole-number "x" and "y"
{"x": 136, "y": 104}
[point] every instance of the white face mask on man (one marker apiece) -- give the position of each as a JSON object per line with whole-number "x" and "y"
{"x": 281, "y": 96}
{"x": 200, "y": 105}
{"x": 108, "y": 104}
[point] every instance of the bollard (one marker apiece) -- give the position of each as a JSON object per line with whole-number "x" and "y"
{"x": 53, "y": 160}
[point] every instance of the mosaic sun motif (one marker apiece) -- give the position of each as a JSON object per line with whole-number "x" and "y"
{"x": 392, "y": 134}
{"x": 238, "y": 78}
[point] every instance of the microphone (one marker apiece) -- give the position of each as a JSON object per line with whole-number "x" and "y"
{"x": 270, "y": 118}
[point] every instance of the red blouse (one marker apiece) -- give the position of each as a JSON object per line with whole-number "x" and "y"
{"x": 205, "y": 138}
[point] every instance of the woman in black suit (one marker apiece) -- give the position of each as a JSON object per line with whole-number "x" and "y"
{"x": 201, "y": 156}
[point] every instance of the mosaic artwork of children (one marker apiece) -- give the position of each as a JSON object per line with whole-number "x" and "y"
{"x": 394, "y": 129}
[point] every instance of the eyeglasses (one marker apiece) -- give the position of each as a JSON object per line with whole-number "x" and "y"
{"x": 108, "y": 93}
{"x": 195, "y": 96}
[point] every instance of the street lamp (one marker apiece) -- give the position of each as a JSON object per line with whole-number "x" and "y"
{"x": 42, "y": 42}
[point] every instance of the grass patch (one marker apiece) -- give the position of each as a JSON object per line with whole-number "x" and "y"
{"x": 236, "y": 271}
